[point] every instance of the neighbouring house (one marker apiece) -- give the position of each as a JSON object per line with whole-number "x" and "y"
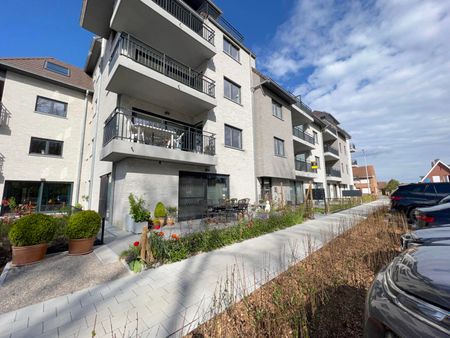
{"x": 44, "y": 105}
{"x": 439, "y": 172}
{"x": 365, "y": 179}
{"x": 382, "y": 187}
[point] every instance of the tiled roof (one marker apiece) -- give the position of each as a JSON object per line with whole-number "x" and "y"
{"x": 77, "y": 78}
{"x": 360, "y": 172}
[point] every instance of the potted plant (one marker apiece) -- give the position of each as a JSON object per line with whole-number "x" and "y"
{"x": 156, "y": 224}
{"x": 139, "y": 216}
{"x": 81, "y": 230}
{"x": 161, "y": 213}
{"x": 171, "y": 214}
{"x": 30, "y": 236}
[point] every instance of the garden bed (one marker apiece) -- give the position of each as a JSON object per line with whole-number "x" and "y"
{"x": 322, "y": 296}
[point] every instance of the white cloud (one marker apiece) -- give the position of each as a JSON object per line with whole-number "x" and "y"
{"x": 381, "y": 67}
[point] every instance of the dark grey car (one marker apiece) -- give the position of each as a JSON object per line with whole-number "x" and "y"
{"x": 411, "y": 296}
{"x": 431, "y": 236}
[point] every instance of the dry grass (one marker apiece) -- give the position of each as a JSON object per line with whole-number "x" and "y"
{"x": 323, "y": 295}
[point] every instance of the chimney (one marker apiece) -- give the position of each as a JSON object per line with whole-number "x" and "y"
{"x": 433, "y": 163}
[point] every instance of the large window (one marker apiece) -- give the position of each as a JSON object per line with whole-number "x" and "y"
{"x": 233, "y": 137}
{"x": 232, "y": 91}
{"x": 316, "y": 137}
{"x": 279, "y": 146}
{"x": 52, "y": 107}
{"x": 277, "y": 110}
{"x": 46, "y": 147}
{"x": 230, "y": 49}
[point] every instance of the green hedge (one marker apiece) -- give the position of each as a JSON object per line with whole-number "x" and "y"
{"x": 160, "y": 210}
{"x": 176, "y": 250}
{"x": 83, "y": 224}
{"x": 32, "y": 230}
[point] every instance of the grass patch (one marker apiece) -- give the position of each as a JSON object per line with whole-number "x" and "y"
{"x": 322, "y": 296}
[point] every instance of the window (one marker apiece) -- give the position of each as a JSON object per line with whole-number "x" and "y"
{"x": 279, "y": 146}
{"x": 342, "y": 167}
{"x": 316, "y": 137}
{"x": 46, "y": 147}
{"x": 318, "y": 162}
{"x": 277, "y": 110}
{"x": 340, "y": 147}
{"x": 230, "y": 49}
{"x": 55, "y": 68}
{"x": 232, "y": 91}
{"x": 233, "y": 137}
{"x": 346, "y": 168}
{"x": 345, "y": 149}
{"x": 52, "y": 107}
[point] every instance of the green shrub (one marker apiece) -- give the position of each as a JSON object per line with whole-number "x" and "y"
{"x": 32, "y": 230}
{"x": 160, "y": 210}
{"x": 138, "y": 212}
{"x": 83, "y": 224}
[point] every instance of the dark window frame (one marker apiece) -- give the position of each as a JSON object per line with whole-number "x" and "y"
{"x": 47, "y": 146}
{"x": 232, "y": 45}
{"x": 232, "y": 129}
{"x": 278, "y": 105}
{"x": 54, "y": 70}
{"x": 52, "y": 101}
{"x": 225, "y": 79}
{"x": 277, "y": 141}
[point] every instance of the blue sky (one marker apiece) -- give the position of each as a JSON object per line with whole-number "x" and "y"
{"x": 382, "y": 67}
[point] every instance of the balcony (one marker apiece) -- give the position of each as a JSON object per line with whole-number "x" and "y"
{"x": 303, "y": 140}
{"x": 333, "y": 174}
{"x": 4, "y": 116}
{"x": 141, "y": 71}
{"x": 132, "y": 134}
{"x": 330, "y": 133}
{"x": 304, "y": 169}
{"x": 352, "y": 148}
{"x": 330, "y": 153}
{"x": 168, "y": 25}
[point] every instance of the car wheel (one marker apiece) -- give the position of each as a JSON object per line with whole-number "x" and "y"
{"x": 410, "y": 215}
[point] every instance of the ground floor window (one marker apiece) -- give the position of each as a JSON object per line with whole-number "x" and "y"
{"x": 198, "y": 191}
{"x": 39, "y": 196}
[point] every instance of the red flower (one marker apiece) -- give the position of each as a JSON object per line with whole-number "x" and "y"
{"x": 157, "y": 227}
{"x": 175, "y": 237}
{"x": 136, "y": 243}
{"x": 161, "y": 234}
{"x": 5, "y": 202}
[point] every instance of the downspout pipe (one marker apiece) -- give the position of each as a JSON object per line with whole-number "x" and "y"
{"x": 80, "y": 156}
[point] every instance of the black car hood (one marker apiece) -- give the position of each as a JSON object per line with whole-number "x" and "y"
{"x": 424, "y": 272}
{"x": 431, "y": 234}
{"x": 434, "y": 208}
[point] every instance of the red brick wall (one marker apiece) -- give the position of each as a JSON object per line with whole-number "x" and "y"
{"x": 440, "y": 171}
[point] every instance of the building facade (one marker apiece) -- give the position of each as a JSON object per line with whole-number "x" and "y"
{"x": 365, "y": 179}
{"x": 44, "y": 105}
{"x": 439, "y": 172}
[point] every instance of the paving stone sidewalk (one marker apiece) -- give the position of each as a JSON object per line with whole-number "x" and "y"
{"x": 173, "y": 299}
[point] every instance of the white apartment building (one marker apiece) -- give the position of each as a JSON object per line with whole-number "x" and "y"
{"x": 43, "y": 109}
{"x": 173, "y": 107}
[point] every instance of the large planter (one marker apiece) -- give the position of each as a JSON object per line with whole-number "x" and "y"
{"x": 134, "y": 227}
{"x": 81, "y": 246}
{"x": 24, "y": 255}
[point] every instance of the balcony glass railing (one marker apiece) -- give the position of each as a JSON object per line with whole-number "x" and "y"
{"x": 333, "y": 172}
{"x": 129, "y": 125}
{"x": 303, "y": 135}
{"x": 304, "y": 166}
{"x": 188, "y": 17}
{"x": 160, "y": 62}
{"x": 330, "y": 149}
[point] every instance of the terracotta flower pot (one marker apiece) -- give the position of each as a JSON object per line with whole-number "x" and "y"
{"x": 24, "y": 255}
{"x": 81, "y": 246}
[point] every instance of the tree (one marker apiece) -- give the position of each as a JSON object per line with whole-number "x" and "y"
{"x": 392, "y": 185}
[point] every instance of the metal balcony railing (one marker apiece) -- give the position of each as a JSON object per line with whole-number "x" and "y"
{"x": 160, "y": 62}
{"x": 303, "y": 135}
{"x": 330, "y": 149}
{"x": 129, "y": 125}
{"x": 304, "y": 166}
{"x": 188, "y": 17}
{"x": 4, "y": 115}
{"x": 332, "y": 129}
{"x": 303, "y": 106}
{"x": 333, "y": 172}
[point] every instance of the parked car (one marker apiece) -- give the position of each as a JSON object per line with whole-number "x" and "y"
{"x": 437, "y": 215}
{"x": 411, "y": 296}
{"x": 431, "y": 236}
{"x": 411, "y": 196}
